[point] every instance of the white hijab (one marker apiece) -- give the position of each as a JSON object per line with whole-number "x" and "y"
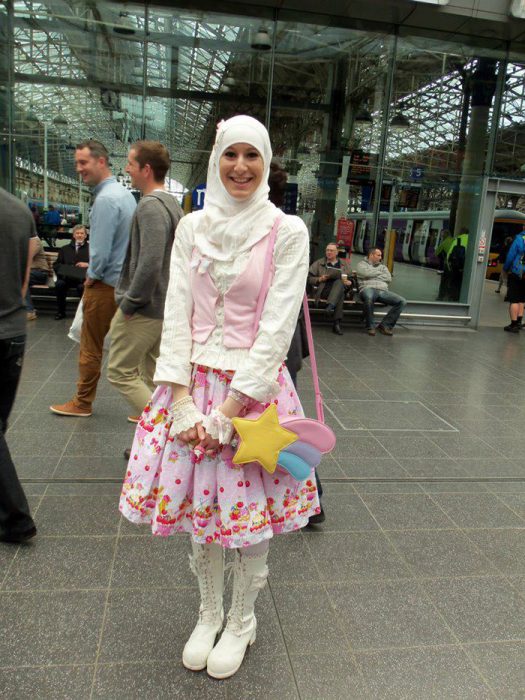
{"x": 227, "y": 226}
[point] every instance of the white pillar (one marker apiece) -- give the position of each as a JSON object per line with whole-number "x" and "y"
{"x": 45, "y": 166}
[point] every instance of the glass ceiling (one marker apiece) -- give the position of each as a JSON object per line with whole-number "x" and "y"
{"x": 119, "y": 72}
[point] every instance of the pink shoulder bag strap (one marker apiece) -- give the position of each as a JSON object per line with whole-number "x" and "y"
{"x": 265, "y": 286}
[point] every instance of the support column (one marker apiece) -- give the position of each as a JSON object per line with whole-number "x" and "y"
{"x": 7, "y": 156}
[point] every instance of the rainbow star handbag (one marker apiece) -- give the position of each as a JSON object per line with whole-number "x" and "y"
{"x": 289, "y": 442}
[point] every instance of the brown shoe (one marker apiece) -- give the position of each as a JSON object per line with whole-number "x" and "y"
{"x": 133, "y": 419}
{"x": 385, "y": 331}
{"x": 127, "y": 453}
{"x": 371, "y": 331}
{"x": 70, "y": 409}
{"x": 31, "y": 316}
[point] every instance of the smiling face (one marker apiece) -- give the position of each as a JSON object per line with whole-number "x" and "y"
{"x": 80, "y": 235}
{"x": 137, "y": 174}
{"x": 241, "y": 170}
{"x": 91, "y": 169}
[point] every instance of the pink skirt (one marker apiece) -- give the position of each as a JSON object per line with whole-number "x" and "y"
{"x": 172, "y": 489}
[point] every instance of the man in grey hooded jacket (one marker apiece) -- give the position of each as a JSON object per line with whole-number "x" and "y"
{"x": 373, "y": 278}
{"x": 141, "y": 290}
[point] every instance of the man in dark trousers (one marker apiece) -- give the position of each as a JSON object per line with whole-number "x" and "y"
{"x": 70, "y": 267}
{"x": 141, "y": 292}
{"x": 19, "y": 242}
{"x": 330, "y": 278}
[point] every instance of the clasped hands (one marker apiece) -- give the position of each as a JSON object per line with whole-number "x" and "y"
{"x": 205, "y": 433}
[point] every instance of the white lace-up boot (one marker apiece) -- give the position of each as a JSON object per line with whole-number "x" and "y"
{"x": 249, "y": 576}
{"x": 207, "y": 563}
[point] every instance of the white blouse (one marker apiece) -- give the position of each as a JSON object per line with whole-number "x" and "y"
{"x": 256, "y": 368}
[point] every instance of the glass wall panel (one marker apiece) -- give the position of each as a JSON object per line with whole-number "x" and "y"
{"x": 509, "y": 158}
{"x": 438, "y": 136}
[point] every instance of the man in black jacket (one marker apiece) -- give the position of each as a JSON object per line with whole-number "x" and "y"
{"x": 71, "y": 267}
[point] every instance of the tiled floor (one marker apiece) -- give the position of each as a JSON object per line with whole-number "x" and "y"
{"x": 413, "y": 587}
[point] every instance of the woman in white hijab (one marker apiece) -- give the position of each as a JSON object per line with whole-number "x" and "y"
{"x": 222, "y": 354}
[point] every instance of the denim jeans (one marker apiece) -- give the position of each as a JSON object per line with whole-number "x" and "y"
{"x": 369, "y": 296}
{"x": 14, "y": 509}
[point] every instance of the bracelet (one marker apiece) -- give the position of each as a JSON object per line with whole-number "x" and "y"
{"x": 184, "y": 414}
{"x": 241, "y": 398}
{"x": 218, "y": 426}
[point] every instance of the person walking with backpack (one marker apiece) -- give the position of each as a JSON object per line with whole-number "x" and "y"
{"x": 515, "y": 268}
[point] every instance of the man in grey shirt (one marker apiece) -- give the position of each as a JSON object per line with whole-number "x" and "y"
{"x": 141, "y": 290}
{"x": 373, "y": 278}
{"x": 110, "y": 219}
{"x": 19, "y": 243}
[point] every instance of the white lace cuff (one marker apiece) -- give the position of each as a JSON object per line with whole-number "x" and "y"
{"x": 218, "y": 426}
{"x": 184, "y": 414}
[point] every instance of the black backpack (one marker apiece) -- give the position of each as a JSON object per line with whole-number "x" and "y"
{"x": 456, "y": 259}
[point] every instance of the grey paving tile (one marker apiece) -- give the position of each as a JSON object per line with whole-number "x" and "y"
{"x": 78, "y": 515}
{"x": 492, "y": 468}
{"x": 458, "y": 446}
{"x": 24, "y": 442}
{"x": 124, "y": 640}
{"x": 154, "y": 680}
{"x": 345, "y": 513}
{"x": 60, "y": 563}
{"x": 263, "y": 677}
{"x": 303, "y": 609}
{"x": 57, "y": 682}
{"x": 330, "y": 469}
{"x": 406, "y": 512}
{"x": 363, "y": 487}
{"x": 154, "y": 561}
{"x": 362, "y": 468}
{"x": 477, "y": 510}
{"x": 402, "y": 448}
{"x": 479, "y": 609}
{"x": 440, "y": 553}
{"x": 7, "y": 554}
{"x": 512, "y": 449}
{"x": 383, "y": 614}
{"x": 502, "y": 665}
{"x": 469, "y": 486}
{"x": 355, "y": 556}
{"x": 136, "y": 622}
{"x": 289, "y": 558}
{"x": 113, "y": 466}
{"x": 99, "y": 444}
{"x": 78, "y": 488}
{"x": 328, "y": 676}
{"x": 50, "y": 628}
{"x": 433, "y": 468}
{"x": 35, "y": 466}
{"x": 516, "y": 502}
{"x": 504, "y": 548}
{"x": 507, "y": 487}
{"x": 357, "y": 447}
{"x": 103, "y": 423}
{"x": 42, "y": 420}
{"x": 34, "y": 489}
{"x": 431, "y": 673}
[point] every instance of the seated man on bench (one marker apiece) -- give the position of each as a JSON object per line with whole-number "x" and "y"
{"x": 373, "y": 278}
{"x": 71, "y": 267}
{"x": 330, "y": 277}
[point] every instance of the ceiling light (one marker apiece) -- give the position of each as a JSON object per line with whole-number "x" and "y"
{"x": 125, "y": 25}
{"x": 229, "y": 81}
{"x": 261, "y": 41}
{"x": 399, "y": 121}
{"x": 363, "y": 116}
{"x": 60, "y": 120}
{"x": 224, "y": 88}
